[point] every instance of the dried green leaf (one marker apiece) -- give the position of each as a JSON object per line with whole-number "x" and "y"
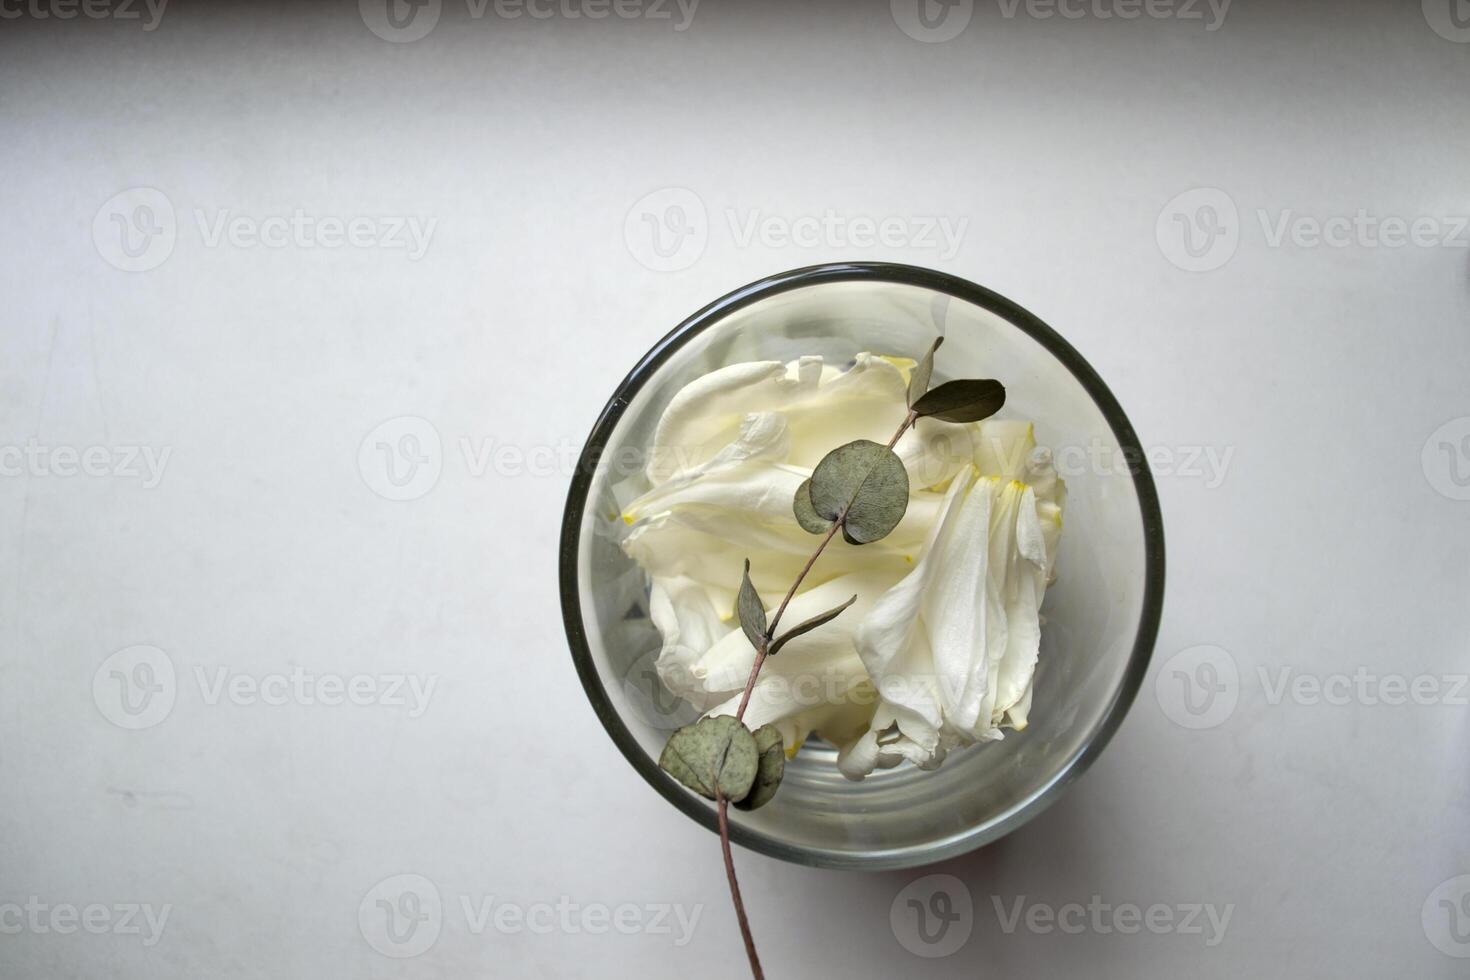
{"x": 806, "y": 626}
{"x": 866, "y": 482}
{"x": 770, "y": 767}
{"x": 713, "y": 752}
{"x": 919, "y": 379}
{"x": 806, "y": 515}
{"x": 751, "y": 610}
{"x": 962, "y": 401}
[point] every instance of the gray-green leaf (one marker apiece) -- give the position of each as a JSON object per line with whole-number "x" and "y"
{"x": 806, "y": 626}
{"x": 962, "y": 401}
{"x": 752, "y": 611}
{"x": 868, "y": 481}
{"x": 919, "y": 379}
{"x": 713, "y": 752}
{"x": 806, "y": 515}
{"x": 771, "y": 766}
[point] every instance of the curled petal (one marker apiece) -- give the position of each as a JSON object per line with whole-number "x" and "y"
{"x": 952, "y": 647}
{"x": 689, "y": 625}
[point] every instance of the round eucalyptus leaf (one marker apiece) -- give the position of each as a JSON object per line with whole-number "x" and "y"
{"x": 713, "y": 752}
{"x": 771, "y": 767}
{"x": 806, "y": 515}
{"x": 868, "y": 482}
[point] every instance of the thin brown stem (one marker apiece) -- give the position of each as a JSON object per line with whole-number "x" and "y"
{"x": 910, "y": 420}
{"x": 791, "y": 592}
{"x": 750, "y": 953}
{"x": 755, "y": 669}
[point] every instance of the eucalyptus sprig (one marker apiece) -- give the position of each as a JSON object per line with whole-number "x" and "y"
{"x": 862, "y": 490}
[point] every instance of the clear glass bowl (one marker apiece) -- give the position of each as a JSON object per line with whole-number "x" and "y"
{"x": 1101, "y": 616}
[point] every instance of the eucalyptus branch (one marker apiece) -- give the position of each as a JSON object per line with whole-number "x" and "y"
{"x": 862, "y": 490}
{"x": 761, "y": 653}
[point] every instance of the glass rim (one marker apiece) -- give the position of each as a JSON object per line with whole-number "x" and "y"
{"x": 1149, "y": 613}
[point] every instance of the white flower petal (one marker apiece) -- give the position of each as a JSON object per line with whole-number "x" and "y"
{"x": 689, "y": 625}
{"x": 962, "y": 616}
{"x": 894, "y": 643}
{"x": 1017, "y": 714}
{"x": 887, "y": 743}
{"x": 705, "y": 415}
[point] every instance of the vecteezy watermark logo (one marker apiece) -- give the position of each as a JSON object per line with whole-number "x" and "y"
{"x": 1362, "y": 687}
{"x": 135, "y": 688}
{"x": 1199, "y": 230}
{"x": 135, "y": 229}
{"x": 933, "y": 916}
{"x": 404, "y": 915}
{"x": 1446, "y": 459}
{"x": 1449, "y": 18}
{"x": 34, "y": 459}
{"x": 932, "y": 21}
{"x": 832, "y": 231}
{"x": 651, "y": 10}
{"x": 1104, "y": 918}
{"x": 1446, "y": 917}
{"x": 647, "y": 695}
{"x": 1209, "y": 464}
{"x": 410, "y": 20}
{"x": 402, "y": 458}
{"x": 667, "y": 230}
{"x": 1362, "y": 230}
{"x": 401, "y": 916}
{"x": 569, "y": 918}
{"x": 63, "y": 919}
{"x": 400, "y": 21}
{"x": 1121, "y": 10}
{"x": 1198, "y": 687}
{"x": 299, "y": 686}
{"x": 408, "y": 233}
{"x": 91, "y": 9}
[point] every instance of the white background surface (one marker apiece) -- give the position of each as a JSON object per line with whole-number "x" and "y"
{"x": 1330, "y": 542}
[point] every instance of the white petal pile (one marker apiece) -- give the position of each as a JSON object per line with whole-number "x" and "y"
{"x": 939, "y": 650}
